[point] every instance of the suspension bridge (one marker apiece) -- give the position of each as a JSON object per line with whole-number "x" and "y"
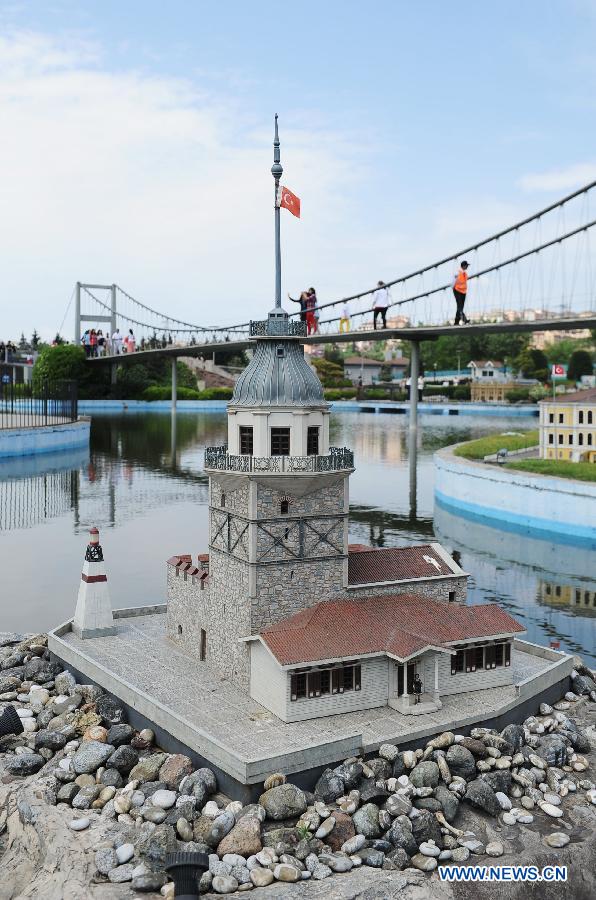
{"x": 538, "y": 274}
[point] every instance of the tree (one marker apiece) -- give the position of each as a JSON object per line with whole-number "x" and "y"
{"x": 532, "y": 363}
{"x": 385, "y": 373}
{"x": 59, "y": 339}
{"x": 35, "y": 339}
{"x": 580, "y": 364}
{"x": 22, "y": 342}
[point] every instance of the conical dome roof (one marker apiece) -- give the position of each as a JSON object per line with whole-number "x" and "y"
{"x": 278, "y": 375}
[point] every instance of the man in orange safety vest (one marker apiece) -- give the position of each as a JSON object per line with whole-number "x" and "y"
{"x": 460, "y": 290}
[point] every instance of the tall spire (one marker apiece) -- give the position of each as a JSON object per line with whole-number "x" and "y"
{"x": 277, "y": 171}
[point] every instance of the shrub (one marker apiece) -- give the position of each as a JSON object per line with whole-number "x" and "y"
{"x": 462, "y": 392}
{"x": 216, "y": 393}
{"x": 340, "y": 393}
{"x": 164, "y": 392}
{"x": 580, "y": 364}
{"x": 517, "y": 395}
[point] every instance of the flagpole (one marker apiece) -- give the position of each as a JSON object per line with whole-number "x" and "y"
{"x": 277, "y": 171}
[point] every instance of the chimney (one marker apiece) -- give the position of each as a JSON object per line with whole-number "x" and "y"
{"x": 93, "y": 615}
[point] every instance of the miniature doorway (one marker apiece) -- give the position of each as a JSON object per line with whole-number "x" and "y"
{"x": 404, "y": 678}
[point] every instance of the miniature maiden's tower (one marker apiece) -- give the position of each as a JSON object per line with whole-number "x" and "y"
{"x": 282, "y": 605}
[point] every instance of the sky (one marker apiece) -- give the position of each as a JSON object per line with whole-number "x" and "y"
{"x": 136, "y": 143}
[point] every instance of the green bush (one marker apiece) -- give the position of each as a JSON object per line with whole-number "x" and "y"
{"x": 340, "y": 393}
{"x": 216, "y": 393}
{"x": 164, "y": 392}
{"x": 462, "y": 392}
{"x": 517, "y": 395}
{"x": 66, "y": 362}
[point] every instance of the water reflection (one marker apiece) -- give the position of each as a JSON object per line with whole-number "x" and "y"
{"x": 143, "y": 483}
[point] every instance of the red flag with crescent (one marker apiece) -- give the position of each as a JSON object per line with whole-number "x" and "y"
{"x": 289, "y": 201}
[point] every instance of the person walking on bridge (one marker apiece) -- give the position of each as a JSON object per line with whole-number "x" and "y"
{"x": 460, "y": 290}
{"x": 312, "y": 318}
{"x": 117, "y": 343}
{"x": 380, "y": 303}
{"x": 344, "y": 319}
{"x": 303, "y": 301}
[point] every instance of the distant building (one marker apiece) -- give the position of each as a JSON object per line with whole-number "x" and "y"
{"x": 356, "y": 367}
{"x": 487, "y": 370}
{"x": 568, "y": 427}
{"x": 490, "y": 383}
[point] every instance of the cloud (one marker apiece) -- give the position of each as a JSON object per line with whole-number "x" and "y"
{"x": 559, "y": 179}
{"x": 157, "y": 183}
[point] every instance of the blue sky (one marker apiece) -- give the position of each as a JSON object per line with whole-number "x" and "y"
{"x": 137, "y": 142}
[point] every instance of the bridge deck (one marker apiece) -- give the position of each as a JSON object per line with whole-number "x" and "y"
{"x": 418, "y": 333}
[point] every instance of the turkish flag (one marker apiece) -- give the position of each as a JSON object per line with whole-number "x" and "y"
{"x": 558, "y": 371}
{"x": 290, "y": 201}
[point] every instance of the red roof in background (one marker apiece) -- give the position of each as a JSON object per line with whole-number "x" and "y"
{"x": 367, "y": 565}
{"x": 586, "y": 396}
{"x": 399, "y": 624}
{"x": 358, "y": 548}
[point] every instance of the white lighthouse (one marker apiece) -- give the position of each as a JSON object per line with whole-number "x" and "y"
{"x": 93, "y": 615}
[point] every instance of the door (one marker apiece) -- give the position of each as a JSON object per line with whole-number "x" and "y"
{"x": 400, "y": 680}
{"x": 410, "y": 680}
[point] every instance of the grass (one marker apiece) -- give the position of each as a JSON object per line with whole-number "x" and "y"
{"x": 494, "y": 442}
{"x": 559, "y": 467}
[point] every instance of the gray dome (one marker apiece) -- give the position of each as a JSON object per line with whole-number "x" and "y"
{"x": 278, "y": 375}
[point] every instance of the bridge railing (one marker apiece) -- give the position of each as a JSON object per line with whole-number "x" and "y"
{"x": 29, "y": 406}
{"x": 338, "y": 459}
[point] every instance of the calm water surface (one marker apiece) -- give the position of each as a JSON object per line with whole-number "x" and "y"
{"x": 150, "y": 503}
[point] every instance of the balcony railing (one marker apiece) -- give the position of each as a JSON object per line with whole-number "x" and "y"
{"x": 277, "y": 328}
{"x": 338, "y": 459}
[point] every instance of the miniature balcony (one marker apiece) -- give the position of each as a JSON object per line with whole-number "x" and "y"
{"x": 338, "y": 459}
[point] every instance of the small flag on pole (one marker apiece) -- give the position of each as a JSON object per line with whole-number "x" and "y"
{"x": 558, "y": 371}
{"x": 289, "y": 201}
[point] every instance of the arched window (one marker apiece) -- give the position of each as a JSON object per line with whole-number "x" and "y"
{"x": 581, "y": 438}
{"x": 222, "y": 499}
{"x": 284, "y": 507}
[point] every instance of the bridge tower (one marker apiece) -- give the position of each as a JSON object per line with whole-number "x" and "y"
{"x": 80, "y": 317}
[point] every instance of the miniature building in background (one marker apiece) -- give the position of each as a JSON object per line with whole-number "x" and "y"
{"x": 93, "y": 615}
{"x": 568, "y": 427}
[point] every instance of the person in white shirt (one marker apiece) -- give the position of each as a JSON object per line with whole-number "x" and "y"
{"x": 344, "y": 321}
{"x": 380, "y": 303}
{"x": 117, "y": 342}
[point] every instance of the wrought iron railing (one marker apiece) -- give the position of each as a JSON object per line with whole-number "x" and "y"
{"x": 28, "y": 405}
{"x": 281, "y": 327}
{"x": 337, "y": 459}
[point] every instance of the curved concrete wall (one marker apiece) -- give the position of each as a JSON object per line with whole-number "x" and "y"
{"x": 44, "y": 438}
{"x": 540, "y": 505}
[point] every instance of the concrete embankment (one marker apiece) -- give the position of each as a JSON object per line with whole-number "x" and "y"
{"x": 543, "y": 506}
{"x": 29, "y": 441}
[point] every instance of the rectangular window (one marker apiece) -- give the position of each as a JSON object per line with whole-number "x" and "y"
{"x": 357, "y": 678}
{"x": 499, "y": 654}
{"x": 551, "y": 417}
{"x": 561, "y": 418}
{"x": 348, "y": 678}
{"x": 337, "y": 681}
{"x": 246, "y": 442}
{"x": 312, "y": 440}
{"x": 581, "y": 438}
{"x": 479, "y": 651}
{"x": 314, "y": 684}
{"x": 471, "y": 660}
{"x": 298, "y": 686}
{"x": 570, "y": 439}
{"x": 457, "y": 662}
{"x": 280, "y": 442}
{"x": 560, "y": 439}
{"x": 490, "y": 657}
{"x": 325, "y": 682}
{"x": 551, "y": 438}
{"x": 507, "y": 654}
{"x": 581, "y": 417}
{"x": 451, "y": 596}
{"x": 589, "y": 417}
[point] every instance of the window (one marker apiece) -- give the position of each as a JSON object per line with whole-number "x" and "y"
{"x": 179, "y": 630}
{"x": 451, "y": 597}
{"x": 479, "y": 651}
{"x": 312, "y": 440}
{"x": 490, "y": 657}
{"x": 246, "y": 442}
{"x": 327, "y": 680}
{"x": 551, "y": 417}
{"x": 457, "y": 662}
{"x": 581, "y": 417}
{"x": 558, "y": 590}
{"x": 580, "y": 439}
{"x": 578, "y": 596}
{"x": 280, "y": 351}
{"x": 471, "y": 660}
{"x": 507, "y": 654}
{"x": 551, "y": 438}
{"x": 561, "y": 418}
{"x": 499, "y": 654}
{"x": 284, "y": 507}
{"x": 589, "y": 439}
{"x": 203, "y": 649}
{"x": 280, "y": 442}
{"x": 570, "y": 439}
{"x": 222, "y": 499}
{"x": 560, "y": 439}
{"x": 589, "y": 417}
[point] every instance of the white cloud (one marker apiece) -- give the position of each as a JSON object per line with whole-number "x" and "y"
{"x": 559, "y": 179}
{"x": 151, "y": 182}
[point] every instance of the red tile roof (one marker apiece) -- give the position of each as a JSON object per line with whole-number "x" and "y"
{"x": 399, "y": 624}
{"x": 370, "y": 566}
{"x": 587, "y": 396}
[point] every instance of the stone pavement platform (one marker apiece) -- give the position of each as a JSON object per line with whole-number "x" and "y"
{"x": 185, "y": 699}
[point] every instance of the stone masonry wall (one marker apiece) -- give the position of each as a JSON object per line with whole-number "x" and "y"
{"x": 236, "y": 500}
{"x": 324, "y": 501}
{"x": 283, "y": 590}
{"x": 186, "y": 613}
{"x": 435, "y": 589}
{"x": 229, "y": 617}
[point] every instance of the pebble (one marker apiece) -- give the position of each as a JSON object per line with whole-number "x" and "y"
{"x": 495, "y": 848}
{"x": 504, "y": 801}
{"x": 261, "y": 877}
{"x": 551, "y": 810}
{"x": 79, "y": 824}
{"x": 121, "y": 874}
{"x": 124, "y": 853}
{"x": 509, "y": 818}
{"x": 557, "y": 839}
{"x": 284, "y": 872}
{"x": 163, "y": 799}
{"x": 429, "y": 848}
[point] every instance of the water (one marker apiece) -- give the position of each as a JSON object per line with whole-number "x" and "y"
{"x": 150, "y": 504}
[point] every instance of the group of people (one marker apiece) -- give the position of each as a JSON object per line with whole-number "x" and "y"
{"x": 8, "y": 350}
{"x": 96, "y": 343}
{"x": 309, "y": 311}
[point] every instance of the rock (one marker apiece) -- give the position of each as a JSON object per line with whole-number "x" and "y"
{"x": 274, "y": 780}
{"x": 175, "y": 768}
{"x": 552, "y": 749}
{"x": 350, "y": 772}
{"x": 244, "y": 838}
{"x": 460, "y": 854}
{"x": 154, "y": 843}
{"x": 366, "y": 821}
{"x": 147, "y": 769}
{"x": 380, "y": 769}
{"x": 90, "y": 756}
{"x": 121, "y": 874}
{"x": 261, "y": 877}
{"x": 429, "y": 849}
{"x": 398, "y": 805}
{"x": 284, "y": 872}
{"x": 495, "y": 848}
{"x": 24, "y": 764}
{"x": 153, "y": 814}
{"x": 123, "y": 759}
{"x": 371, "y": 857}
{"x": 151, "y": 881}
{"x": 557, "y": 839}
{"x": 514, "y": 735}
{"x": 461, "y": 762}
{"x": 184, "y": 829}
{"x": 105, "y": 860}
{"x": 554, "y": 811}
{"x": 111, "y": 712}
{"x": 67, "y": 793}
{"x": 354, "y": 844}
{"x": 481, "y": 795}
{"x": 388, "y": 752}
{"x": 371, "y": 792}
{"x": 205, "y": 777}
{"x": 283, "y": 802}
{"x": 399, "y": 766}
{"x": 124, "y": 853}
{"x": 329, "y": 786}
{"x": 320, "y": 872}
{"x": 84, "y": 780}
{"x": 509, "y": 818}
{"x": 425, "y": 774}
{"x": 499, "y": 780}
{"x": 424, "y": 863}
{"x": 51, "y": 740}
{"x": 220, "y": 827}
{"x": 252, "y": 809}
{"x": 426, "y": 828}
{"x": 476, "y": 747}
{"x": 111, "y": 778}
{"x": 163, "y": 799}
{"x": 449, "y": 802}
{"x": 503, "y": 800}
{"x": 401, "y": 837}
{"x": 86, "y": 796}
{"x": 79, "y": 824}
{"x": 120, "y": 734}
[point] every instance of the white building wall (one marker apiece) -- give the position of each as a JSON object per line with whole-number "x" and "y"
{"x": 471, "y": 681}
{"x": 267, "y": 680}
{"x": 374, "y": 692}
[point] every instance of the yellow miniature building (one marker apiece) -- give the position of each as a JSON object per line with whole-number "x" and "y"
{"x": 568, "y": 427}
{"x": 487, "y": 392}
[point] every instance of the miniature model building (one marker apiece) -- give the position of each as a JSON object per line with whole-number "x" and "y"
{"x": 93, "y": 614}
{"x": 282, "y": 605}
